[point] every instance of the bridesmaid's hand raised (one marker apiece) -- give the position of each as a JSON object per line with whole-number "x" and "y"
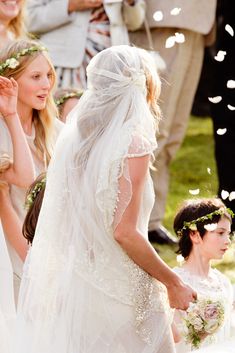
{"x": 8, "y": 97}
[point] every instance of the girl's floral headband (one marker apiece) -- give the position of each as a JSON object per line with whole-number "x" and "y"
{"x": 68, "y": 95}
{"x": 12, "y": 62}
{"x": 33, "y": 194}
{"x": 192, "y": 225}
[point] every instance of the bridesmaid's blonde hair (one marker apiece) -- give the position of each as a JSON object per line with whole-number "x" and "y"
{"x": 44, "y": 119}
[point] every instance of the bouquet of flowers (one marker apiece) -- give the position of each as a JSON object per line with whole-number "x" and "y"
{"x": 203, "y": 317}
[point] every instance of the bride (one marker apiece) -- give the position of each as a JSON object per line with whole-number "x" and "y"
{"x": 93, "y": 283}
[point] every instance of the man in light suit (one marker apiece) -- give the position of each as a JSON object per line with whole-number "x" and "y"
{"x": 184, "y": 62}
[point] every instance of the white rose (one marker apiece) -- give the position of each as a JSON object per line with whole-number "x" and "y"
{"x": 12, "y": 63}
{"x": 211, "y": 326}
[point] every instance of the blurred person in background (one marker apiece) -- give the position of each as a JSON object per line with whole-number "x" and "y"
{"x": 11, "y": 21}
{"x": 75, "y": 30}
{"x": 180, "y": 30}
{"x": 223, "y": 112}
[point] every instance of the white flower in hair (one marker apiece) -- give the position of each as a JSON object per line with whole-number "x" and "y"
{"x": 210, "y": 227}
{"x": 12, "y": 63}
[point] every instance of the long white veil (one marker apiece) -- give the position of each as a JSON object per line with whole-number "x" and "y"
{"x": 7, "y": 304}
{"x": 77, "y": 278}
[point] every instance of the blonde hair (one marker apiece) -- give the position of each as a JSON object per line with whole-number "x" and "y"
{"x": 153, "y": 84}
{"x": 17, "y": 24}
{"x": 43, "y": 119}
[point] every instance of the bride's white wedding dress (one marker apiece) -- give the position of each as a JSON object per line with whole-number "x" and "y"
{"x": 215, "y": 286}
{"x": 7, "y": 305}
{"x": 80, "y": 291}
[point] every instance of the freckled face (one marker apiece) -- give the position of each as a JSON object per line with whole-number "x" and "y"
{"x": 215, "y": 243}
{"x": 9, "y": 9}
{"x": 35, "y": 84}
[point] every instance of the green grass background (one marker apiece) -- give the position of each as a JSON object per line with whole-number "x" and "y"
{"x": 189, "y": 170}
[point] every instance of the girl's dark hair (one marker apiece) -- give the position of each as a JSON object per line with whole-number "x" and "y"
{"x": 31, "y": 218}
{"x": 190, "y": 211}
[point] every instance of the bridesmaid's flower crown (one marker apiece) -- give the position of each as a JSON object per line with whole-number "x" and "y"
{"x": 68, "y": 95}
{"x": 192, "y": 225}
{"x": 34, "y": 192}
{"x": 13, "y": 62}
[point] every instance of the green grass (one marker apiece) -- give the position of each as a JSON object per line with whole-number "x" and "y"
{"x": 189, "y": 170}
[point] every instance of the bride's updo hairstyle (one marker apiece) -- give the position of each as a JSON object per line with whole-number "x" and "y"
{"x": 193, "y": 216}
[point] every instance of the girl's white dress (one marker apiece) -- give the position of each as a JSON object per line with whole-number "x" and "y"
{"x": 215, "y": 286}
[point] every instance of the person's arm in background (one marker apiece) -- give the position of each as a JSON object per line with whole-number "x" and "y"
{"x": 11, "y": 224}
{"x": 21, "y": 170}
{"x": 45, "y": 17}
{"x": 134, "y": 13}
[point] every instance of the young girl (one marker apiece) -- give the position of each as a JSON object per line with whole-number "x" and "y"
{"x": 203, "y": 227}
{"x": 28, "y": 63}
{"x": 66, "y": 99}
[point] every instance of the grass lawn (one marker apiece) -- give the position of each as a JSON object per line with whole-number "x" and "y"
{"x": 194, "y": 168}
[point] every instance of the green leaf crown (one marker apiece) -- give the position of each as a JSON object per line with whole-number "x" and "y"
{"x": 68, "y": 95}
{"x": 192, "y": 225}
{"x": 33, "y": 194}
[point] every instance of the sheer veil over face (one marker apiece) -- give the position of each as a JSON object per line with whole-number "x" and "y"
{"x": 77, "y": 278}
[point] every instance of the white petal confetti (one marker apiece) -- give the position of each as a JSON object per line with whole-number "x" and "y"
{"x": 179, "y": 259}
{"x": 230, "y": 30}
{"x": 179, "y": 37}
{"x": 224, "y": 194}
{"x": 175, "y": 11}
{"x": 194, "y": 192}
{"x": 221, "y": 131}
{"x": 209, "y": 170}
{"x": 210, "y": 227}
{"x": 215, "y": 99}
{"x": 231, "y": 84}
{"x": 158, "y": 16}
{"x": 232, "y": 196}
{"x": 231, "y": 107}
{"x": 220, "y": 55}
{"x": 170, "y": 42}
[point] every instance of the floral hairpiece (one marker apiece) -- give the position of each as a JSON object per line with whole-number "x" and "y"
{"x": 33, "y": 194}
{"x": 67, "y": 96}
{"x": 192, "y": 225}
{"x": 12, "y": 62}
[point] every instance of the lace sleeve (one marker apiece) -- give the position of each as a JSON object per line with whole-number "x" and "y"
{"x": 139, "y": 147}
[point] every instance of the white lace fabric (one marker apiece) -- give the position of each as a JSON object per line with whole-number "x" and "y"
{"x": 80, "y": 292}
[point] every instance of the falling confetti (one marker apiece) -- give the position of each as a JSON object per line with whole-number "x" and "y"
{"x": 230, "y": 107}
{"x": 179, "y": 37}
{"x": 221, "y": 131}
{"x": 224, "y": 194}
{"x": 194, "y": 192}
{"x": 170, "y": 42}
{"x": 230, "y": 30}
{"x": 220, "y": 55}
{"x": 232, "y": 196}
{"x": 158, "y": 16}
{"x": 175, "y": 11}
{"x": 179, "y": 259}
{"x": 231, "y": 84}
{"x": 209, "y": 170}
{"x": 215, "y": 99}
{"x": 210, "y": 227}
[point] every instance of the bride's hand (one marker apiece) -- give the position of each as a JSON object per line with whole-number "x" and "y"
{"x": 81, "y": 5}
{"x": 8, "y": 97}
{"x": 181, "y": 295}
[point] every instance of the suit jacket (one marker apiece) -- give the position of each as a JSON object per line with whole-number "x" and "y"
{"x": 195, "y": 15}
{"x": 65, "y": 34}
